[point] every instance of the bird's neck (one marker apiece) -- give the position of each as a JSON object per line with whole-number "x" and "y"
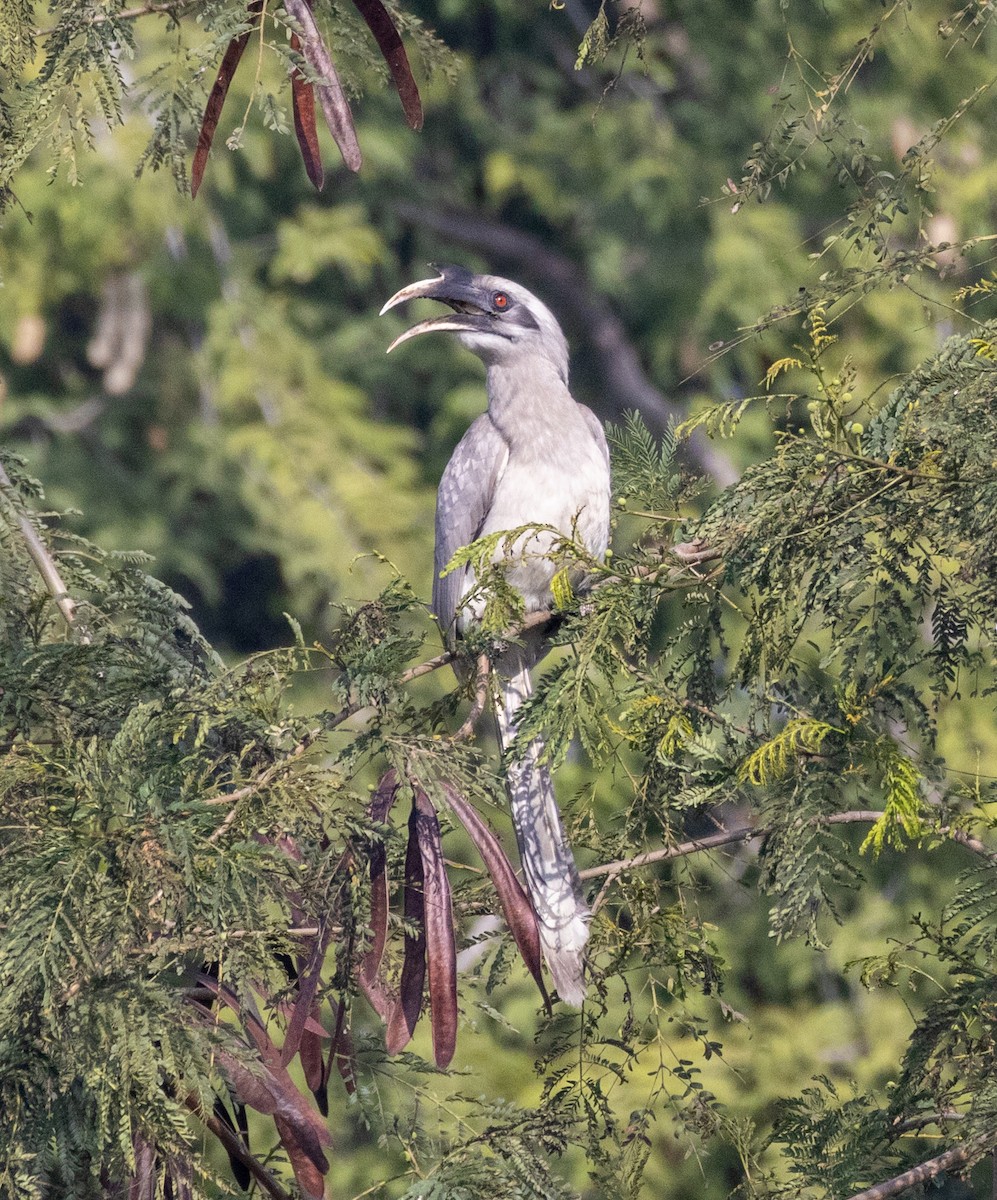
{"x": 526, "y": 394}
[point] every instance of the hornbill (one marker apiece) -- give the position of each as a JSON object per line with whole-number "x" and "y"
{"x": 536, "y": 457}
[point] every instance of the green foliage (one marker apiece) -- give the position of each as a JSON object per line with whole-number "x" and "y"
{"x": 647, "y": 467}
{"x": 800, "y": 735}
{"x": 820, "y": 1127}
{"x": 112, "y": 887}
{"x": 902, "y": 811}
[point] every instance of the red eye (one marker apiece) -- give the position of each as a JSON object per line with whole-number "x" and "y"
{"x": 500, "y": 300}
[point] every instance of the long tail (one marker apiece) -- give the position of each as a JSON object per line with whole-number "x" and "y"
{"x": 548, "y": 865}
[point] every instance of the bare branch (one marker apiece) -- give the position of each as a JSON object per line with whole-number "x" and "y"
{"x": 693, "y": 553}
{"x": 746, "y": 833}
{"x": 970, "y": 842}
{"x": 956, "y": 1157}
{"x": 666, "y": 852}
{"x": 74, "y": 420}
{"x": 144, "y": 10}
{"x": 938, "y": 1118}
{"x": 129, "y": 14}
{"x": 614, "y": 869}
{"x": 431, "y": 664}
{"x": 42, "y": 559}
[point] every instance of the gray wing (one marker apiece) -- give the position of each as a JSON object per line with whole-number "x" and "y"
{"x": 596, "y": 426}
{"x": 462, "y": 503}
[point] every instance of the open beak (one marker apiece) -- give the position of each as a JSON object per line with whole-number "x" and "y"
{"x": 453, "y": 286}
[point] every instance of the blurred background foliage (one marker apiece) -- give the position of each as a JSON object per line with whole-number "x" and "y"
{"x": 206, "y": 381}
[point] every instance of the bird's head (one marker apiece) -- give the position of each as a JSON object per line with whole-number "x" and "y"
{"x": 495, "y": 318}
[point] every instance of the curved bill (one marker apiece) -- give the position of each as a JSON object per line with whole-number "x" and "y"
{"x": 452, "y": 283}
{"x": 413, "y": 291}
{"x": 455, "y": 323}
{"x": 455, "y": 286}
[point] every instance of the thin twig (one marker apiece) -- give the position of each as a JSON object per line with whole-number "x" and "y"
{"x": 970, "y": 842}
{"x": 142, "y": 10}
{"x": 666, "y": 852}
{"x": 901, "y": 1127}
{"x": 480, "y": 700}
{"x": 542, "y": 616}
{"x": 240, "y": 794}
{"x": 268, "y": 775}
{"x": 126, "y": 14}
{"x": 956, "y": 1157}
{"x": 689, "y": 554}
{"x": 42, "y": 559}
{"x": 693, "y": 553}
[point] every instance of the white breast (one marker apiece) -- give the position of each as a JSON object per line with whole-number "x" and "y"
{"x": 558, "y": 478}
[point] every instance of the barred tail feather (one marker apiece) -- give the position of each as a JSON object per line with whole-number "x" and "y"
{"x": 549, "y": 870}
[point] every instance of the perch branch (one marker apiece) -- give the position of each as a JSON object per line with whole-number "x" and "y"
{"x": 688, "y": 554}
{"x": 424, "y": 668}
{"x": 666, "y": 852}
{"x": 914, "y": 1123}
{"x": 350, "y": 710}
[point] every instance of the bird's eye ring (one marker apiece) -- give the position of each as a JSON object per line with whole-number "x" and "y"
{"x": 500, "y": 300}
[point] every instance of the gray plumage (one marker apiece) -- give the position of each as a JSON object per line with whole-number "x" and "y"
{"x": 535, "y": 457}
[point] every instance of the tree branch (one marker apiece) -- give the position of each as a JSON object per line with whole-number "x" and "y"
{"x": 42, "y": 558}
{"x": 431, "y": 664}
{"x": 970, "y": 842}
{"x": 956, "y": 1157}
{"x": 745, "y": 834}
{"x": 666, "y": 852}
{"x": 912, "y": 1123}
{"x": 268, "y": 776}
{"x": 34, "y": 425}
{"x": 144, "y": 10}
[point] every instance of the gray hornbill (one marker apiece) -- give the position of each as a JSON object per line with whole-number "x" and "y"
{"x": 535, "y": 457}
